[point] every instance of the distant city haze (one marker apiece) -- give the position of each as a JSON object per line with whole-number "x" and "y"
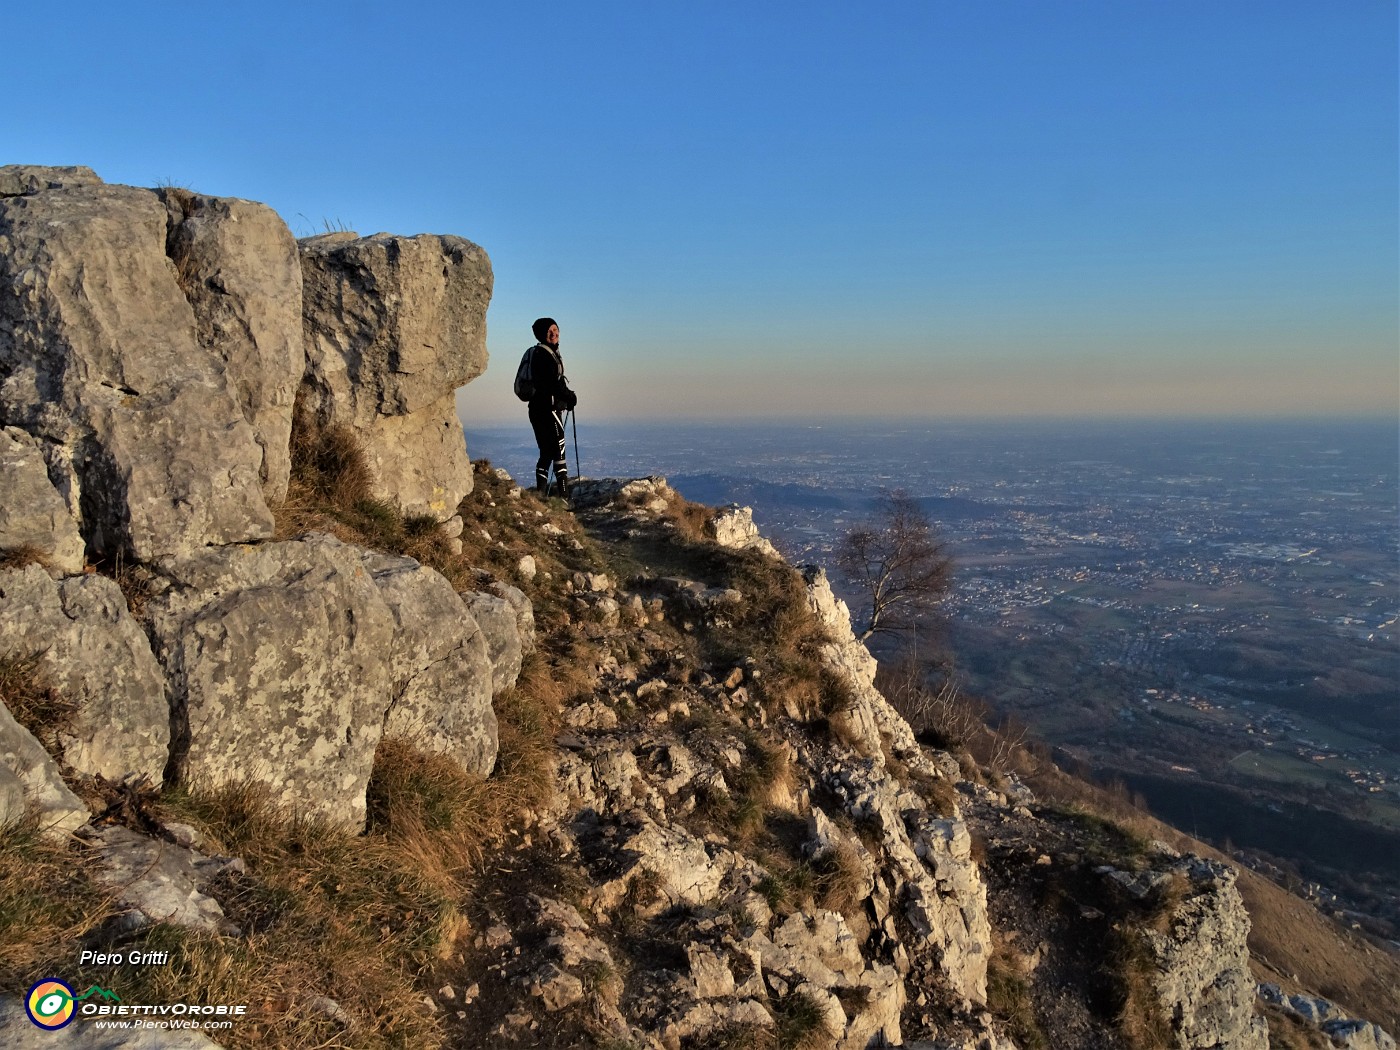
{"x": 748, "y": 390}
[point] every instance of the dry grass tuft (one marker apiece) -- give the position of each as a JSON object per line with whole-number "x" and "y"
{"x": 1140, "y": 1018}
{"x": 840, "y": 878}
{"x": 329, "y": 460}
{"x": 23, "y": 555}
{"x": 26, "y": 691}
{"x": 1009, "y": 997}
{"x": 690, "y": 519}
{"x": 47, "y": 904}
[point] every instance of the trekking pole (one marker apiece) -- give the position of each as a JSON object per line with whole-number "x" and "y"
{"x": 573, "y": 419}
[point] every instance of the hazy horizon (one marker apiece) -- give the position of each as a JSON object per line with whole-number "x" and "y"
{"x": 483, "y": 415}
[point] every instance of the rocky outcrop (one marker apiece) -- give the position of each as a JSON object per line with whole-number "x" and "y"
{"x": 1343, "y": 1030}
{"x": 276, "y": 661}
{"x": 88, "y": 647}
{"x": 874, "y": 724}
{"x": 734, "y": 527}
{"x": 440, "y": 665}
{"x": 33, "y": 515}
{"x": 20, "y": 179}
{"x": 152, "y": 346}
{"x": 29, "y": 778}
{"x": 1199, "y": 953}
{"x": 236, "y": 263}
{"x": 393, "y": 325}
{"x": 99, "y": 360}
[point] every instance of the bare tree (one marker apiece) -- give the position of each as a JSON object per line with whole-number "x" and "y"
{"x": 897, "y": 562}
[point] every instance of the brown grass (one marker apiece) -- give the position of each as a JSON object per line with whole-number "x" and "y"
{"x": 840, "y": 879}
{"x": 23, "y": 555}
{"x": 1140, "y": 1017}
{"x": 690, "y": 519}
{"x": 26, "y": 691}
{"x": 1287, "y": 1032}
{"x": 1009, "y": 997}
{"x": 47, "y": 904}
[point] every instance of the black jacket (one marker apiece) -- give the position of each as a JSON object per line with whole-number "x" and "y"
{"x": 551, "y": 385}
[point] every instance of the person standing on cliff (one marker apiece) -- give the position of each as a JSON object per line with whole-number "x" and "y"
{"x": 548, "y": 403}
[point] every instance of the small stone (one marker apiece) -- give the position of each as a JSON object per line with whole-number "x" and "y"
{"x": 328, "y": 1008}
{"x": 184, "y": 835}
{"x": 498, "y": 936}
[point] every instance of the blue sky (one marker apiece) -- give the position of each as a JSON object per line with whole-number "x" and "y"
{"x": 1136, "y": 207}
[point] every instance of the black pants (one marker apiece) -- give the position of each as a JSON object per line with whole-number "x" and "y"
{"x": 549, "y": 436}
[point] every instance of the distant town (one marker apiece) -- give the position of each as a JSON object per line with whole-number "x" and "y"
{"x": 1193, "y": 607}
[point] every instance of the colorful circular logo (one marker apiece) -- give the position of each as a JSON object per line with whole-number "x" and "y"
{"x": 50, "y": 1003}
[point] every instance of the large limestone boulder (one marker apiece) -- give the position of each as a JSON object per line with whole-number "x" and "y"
{"x": 32, "y": 513}
{"x": 24, "y": 760}
{"x": 393, "y": 325}
{"x": 440, "y": 667}
{"x": 96, "y": 656}
{"x": 276, "y": 656}
{"x": 236, "y": 262}
{"x": 99, "y": 357}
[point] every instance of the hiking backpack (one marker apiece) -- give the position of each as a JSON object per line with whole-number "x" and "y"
{"x": 525, "y": 376}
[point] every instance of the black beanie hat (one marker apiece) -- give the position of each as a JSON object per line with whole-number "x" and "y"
{"x": 542, "y": 326}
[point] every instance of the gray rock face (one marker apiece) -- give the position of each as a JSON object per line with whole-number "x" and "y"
{"x": 393, "y": 325}
{"x": 733, "y": 527}
{"x": 276, "y": 659}
{"x": 872, "y": 719}
{"x": 236, "y": 262}
{"x": 930, "y": 870}
{"x": 440, "y": 667}
{"x": 158, "y": 881}
{"x": 20, "y": 179}
{"x": 58, "y": 809}
{"x": 98, "y": 355}
{"x": 32, "y": 513}
{"x": 1342, "y": 1029}
{"x": 97, "y": 657}
{"x": 524, "y": 614}
{"x": 1202, "y": 972}
{"x": 496, "y": 617}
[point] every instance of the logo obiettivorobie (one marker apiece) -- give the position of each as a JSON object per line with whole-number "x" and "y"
{"x": 49, "y": 1004}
